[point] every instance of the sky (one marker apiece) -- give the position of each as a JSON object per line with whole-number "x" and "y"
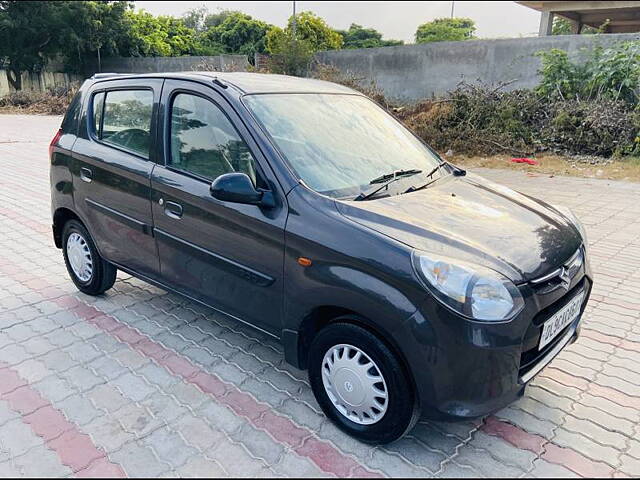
{"x": 396, "y": 20}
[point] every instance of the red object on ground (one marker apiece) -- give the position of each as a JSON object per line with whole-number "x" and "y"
{"x": 524, "y": 160}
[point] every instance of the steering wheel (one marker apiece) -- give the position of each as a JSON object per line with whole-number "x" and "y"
{"x": 125, "y": 137}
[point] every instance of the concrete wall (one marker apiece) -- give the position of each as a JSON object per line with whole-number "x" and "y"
{"x": 39, "y": 81}
{"x": 53, "y": 76}
{"x": 174, "y": 64}
{"x": 413, "y": 72}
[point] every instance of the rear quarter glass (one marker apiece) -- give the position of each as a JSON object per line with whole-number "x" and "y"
{"x": 70, "y": 120}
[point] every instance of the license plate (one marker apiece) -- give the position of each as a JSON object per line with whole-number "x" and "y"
{"x": 560, "y": 320}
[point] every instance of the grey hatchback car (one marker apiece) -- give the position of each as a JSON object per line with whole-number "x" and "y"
{"x": 405, "y": 285}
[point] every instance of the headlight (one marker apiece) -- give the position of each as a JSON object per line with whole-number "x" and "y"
{"x": 567, "y": 212}
{"x": 471, "y": 290}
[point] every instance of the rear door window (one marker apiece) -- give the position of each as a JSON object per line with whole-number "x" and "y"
{"x": 126, "y": 120}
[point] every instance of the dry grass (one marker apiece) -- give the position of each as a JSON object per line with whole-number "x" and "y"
{"x": 627, "y": 168}
{"x": 53, "y": 102}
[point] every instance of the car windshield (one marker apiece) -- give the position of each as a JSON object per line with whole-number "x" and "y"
{"x": 337, "y": 144}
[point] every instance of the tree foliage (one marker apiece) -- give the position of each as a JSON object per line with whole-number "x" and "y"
{"x": 289, "y": 55}
{"x": 239, "y": 33}
{"x": 446, "y": 30}
{"x": 293, "y": 47}
{"x": 162, "y": 36}
{"x": 358, "y": 36}
{"x": 80, "y": 33}
{"x": 310, "y": 30}
{"x": 25, "y": 37}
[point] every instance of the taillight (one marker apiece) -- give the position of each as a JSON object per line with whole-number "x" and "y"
{"x": 54, "y": 141}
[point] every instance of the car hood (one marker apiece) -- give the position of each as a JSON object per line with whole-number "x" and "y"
{"x": 473, "y": 219}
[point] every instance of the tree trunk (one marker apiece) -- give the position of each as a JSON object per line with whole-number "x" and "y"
{"x": 16, "y": 80}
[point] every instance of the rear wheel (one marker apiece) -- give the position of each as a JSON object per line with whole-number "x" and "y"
{"x": 361, "y": 384}
{"x": 89, "y": 271}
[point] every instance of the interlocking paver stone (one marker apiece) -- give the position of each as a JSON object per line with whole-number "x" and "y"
{"x": 162, "y": 386}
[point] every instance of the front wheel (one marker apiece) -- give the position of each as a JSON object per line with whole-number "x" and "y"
{"x": 361, "y": 384}
{"x": 91, "y": 273}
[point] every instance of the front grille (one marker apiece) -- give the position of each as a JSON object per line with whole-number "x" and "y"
{"x": 560, "y": 277}
{"x": 531, "y": 355}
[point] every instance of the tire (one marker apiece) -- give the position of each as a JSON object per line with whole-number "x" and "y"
{"x": 102, "y": 274}
{"x": 399, "y": 413}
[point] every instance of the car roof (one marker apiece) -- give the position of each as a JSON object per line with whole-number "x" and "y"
{"x": 247, "y": 82}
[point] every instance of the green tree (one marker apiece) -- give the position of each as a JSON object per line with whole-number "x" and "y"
{"x": 446, "y": 30}
{"x": 215, "y": 19}
{"x": 164, "y": 36}
{"x": 28, "y": 35}
{"x": 289, "y": 55}
{"x": 292, "y": 48}
{"x": 360, "y": 37}
{"x": 93, "y": 30}
{"x": 239, "y": 33}
{"x": 31, "y": 33}
{"x": 310, "y": 29}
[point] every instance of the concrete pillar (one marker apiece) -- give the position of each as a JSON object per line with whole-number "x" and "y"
{"x": 546, "y": 24}
{"x": 576, "y": 27}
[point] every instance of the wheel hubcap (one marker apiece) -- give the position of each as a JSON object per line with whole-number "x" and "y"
{"x": 79, "y": 257}
{"x": 354, "y": 384}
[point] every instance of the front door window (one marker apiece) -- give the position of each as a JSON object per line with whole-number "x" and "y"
{"x": 204, "y": 142}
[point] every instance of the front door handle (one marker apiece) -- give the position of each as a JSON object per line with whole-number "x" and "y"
{"x": 173, "y": 210}
{"x": 86, "y": 175}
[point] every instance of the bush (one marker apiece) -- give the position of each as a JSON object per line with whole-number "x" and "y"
{"x": 485, "y": 120}
{"x": 478, "y": 119}
{"x": 612, "y": 73}
{"x": 52, "y": 102}
{"x": 600, "y": 127}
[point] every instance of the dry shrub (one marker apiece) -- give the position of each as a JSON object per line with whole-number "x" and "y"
{"x": 479, "y": 119}
{"x": 601, "y": 127}
{"x": 52, "y": 102}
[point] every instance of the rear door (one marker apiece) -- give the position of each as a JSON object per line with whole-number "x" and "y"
{"x": 112, "y": 170}
{"x": 228, "y": 255}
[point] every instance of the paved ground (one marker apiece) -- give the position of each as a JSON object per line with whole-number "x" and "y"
{"x": 141, "y": 382}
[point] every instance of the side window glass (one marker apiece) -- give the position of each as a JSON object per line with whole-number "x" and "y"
{"x": 98, "y": 102}
{"x": 127, "y": 120}
{"x": 70, "y": 120}
{"x": 204, "y": 142}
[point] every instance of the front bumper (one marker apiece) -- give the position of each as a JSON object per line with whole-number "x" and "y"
{"x": 465, "y": 369}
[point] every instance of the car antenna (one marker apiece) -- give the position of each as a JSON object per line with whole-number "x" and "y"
{"x": 219, "y": 82}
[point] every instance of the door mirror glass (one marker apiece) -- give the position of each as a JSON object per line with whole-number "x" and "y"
{"x": 238, "y": 188}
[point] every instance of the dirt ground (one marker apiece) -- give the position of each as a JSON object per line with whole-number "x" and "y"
{"x": 551, "y": 165}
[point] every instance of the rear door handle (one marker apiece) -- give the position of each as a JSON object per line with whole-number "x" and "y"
{"x": 86, "y": 175}
{"x": 173, "y": 210}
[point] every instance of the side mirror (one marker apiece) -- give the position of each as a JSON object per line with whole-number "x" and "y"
{"x": 237, "y": 188}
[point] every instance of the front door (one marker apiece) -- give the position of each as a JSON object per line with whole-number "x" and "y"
{"x": 112, "y": 165}
{"x": 228, "y": 255}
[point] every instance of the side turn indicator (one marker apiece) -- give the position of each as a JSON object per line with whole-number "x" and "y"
{"x": 304, "y": 261}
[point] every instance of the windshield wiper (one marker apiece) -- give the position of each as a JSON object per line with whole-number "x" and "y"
{"x": 386, "y": 180}
{"x": 397, "y": 173}
{"x": 456, "y": 171}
